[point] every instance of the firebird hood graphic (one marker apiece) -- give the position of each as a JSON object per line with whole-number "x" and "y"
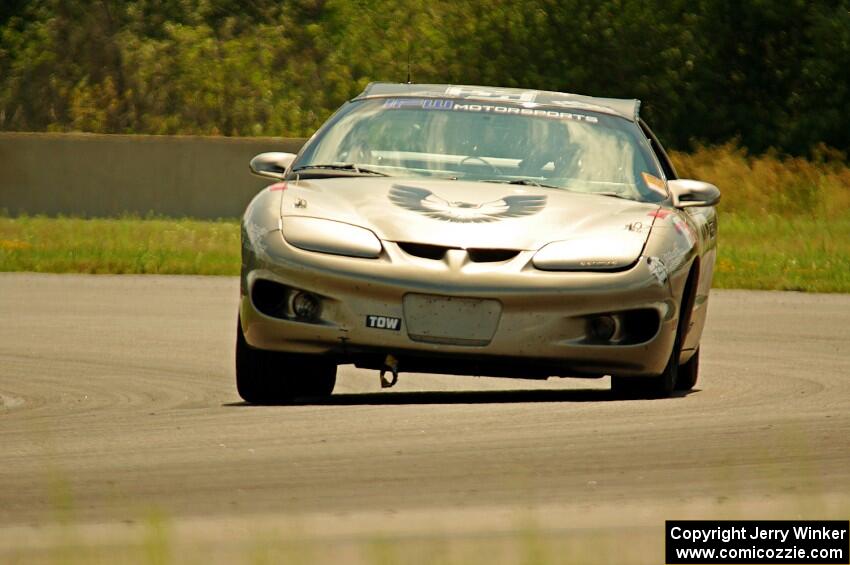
{"x": 460, "y": 213}
{"x": 426, "y": 202}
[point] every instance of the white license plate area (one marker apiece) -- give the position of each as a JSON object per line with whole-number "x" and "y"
{"x": 451, "y": 320}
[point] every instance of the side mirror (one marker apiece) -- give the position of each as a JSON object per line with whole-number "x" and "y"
{"x": 687, "y": 193}
{"x": 272, "y": 165}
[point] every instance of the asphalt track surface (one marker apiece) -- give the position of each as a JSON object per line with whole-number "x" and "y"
{"x": 117, "y": 400}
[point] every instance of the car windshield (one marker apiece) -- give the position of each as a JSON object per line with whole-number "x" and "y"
{"x": 561, "y": 148}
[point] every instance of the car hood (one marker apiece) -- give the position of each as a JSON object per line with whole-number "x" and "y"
{"x": 468, "y": 214}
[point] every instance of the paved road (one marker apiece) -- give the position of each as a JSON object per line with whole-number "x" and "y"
{"x": 117, "y": 401}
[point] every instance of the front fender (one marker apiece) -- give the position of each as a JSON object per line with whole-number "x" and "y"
{"x": 261, "y": 217}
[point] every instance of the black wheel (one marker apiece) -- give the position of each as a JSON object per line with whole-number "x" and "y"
{"x": 271, "y": 377}
{"x": 688, "y": 373}
{"x": 660, "y": 386}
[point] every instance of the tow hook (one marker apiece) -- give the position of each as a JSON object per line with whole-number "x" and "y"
{"x": 391, "y": 365}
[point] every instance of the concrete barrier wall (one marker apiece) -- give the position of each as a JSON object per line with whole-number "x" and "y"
{"x": 109, "y": 175}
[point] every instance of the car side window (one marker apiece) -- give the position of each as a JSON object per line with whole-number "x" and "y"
{"x": 660, "y": 154}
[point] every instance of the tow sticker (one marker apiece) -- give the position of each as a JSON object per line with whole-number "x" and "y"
{"x": 383, "y": 322}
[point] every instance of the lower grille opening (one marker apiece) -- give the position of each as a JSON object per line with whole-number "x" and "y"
{"x": 628, "y": 327}
{"x": 491, "y": 255}
{"x": 435, "y": 252}
{"x": 271, "y": 298}
{"x": 641, "y": 325}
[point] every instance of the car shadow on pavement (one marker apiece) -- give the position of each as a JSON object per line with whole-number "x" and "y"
{"x": 464, "y": 397}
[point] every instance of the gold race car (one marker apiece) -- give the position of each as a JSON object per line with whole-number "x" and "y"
{"x": 475, "y": 231}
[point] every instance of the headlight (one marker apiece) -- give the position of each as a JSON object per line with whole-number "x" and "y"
{"x": 328, "y": 236}
{"x": 602, "y": 252}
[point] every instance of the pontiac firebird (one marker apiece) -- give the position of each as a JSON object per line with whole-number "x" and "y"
{"x": 475, "y": 231}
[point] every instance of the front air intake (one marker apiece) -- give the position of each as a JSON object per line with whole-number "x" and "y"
{"x": 271, "y": 298}
{"x": 491, "y": 255}
{"x": 434, "y": 252}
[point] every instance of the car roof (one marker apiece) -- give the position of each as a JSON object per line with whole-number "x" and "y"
{"x": 626, "y": 108}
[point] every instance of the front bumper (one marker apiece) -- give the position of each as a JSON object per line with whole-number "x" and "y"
{"x": 541, "y": 327}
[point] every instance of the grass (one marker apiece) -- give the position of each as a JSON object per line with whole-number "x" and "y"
{"x": 776, "y": 253}
{"x": 784, "y": 225}
{"x": 121, "y": 246}
{"x": 789, "y": 187}
{"x": 784, "y": 221}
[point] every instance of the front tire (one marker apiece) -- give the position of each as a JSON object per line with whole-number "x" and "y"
{"x": 673, "y": 377}
{"x": 272, "y": 377}
{"x": 688, "y": 373}
{"x": 661, "y": 386}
